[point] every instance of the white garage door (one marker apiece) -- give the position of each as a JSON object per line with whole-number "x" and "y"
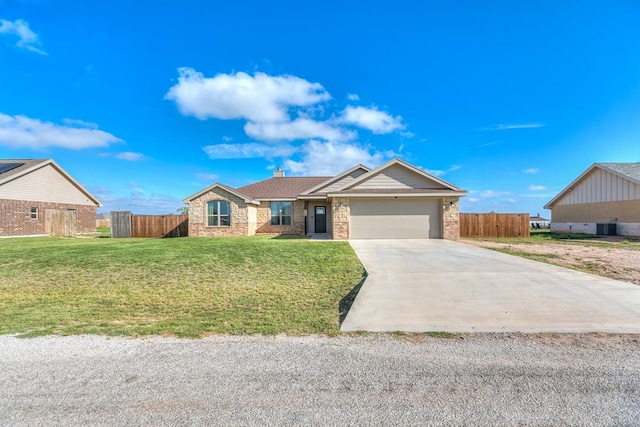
{"x": 395, "y": 219}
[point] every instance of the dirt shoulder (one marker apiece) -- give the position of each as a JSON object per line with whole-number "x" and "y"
{"x": 611, "y": 259}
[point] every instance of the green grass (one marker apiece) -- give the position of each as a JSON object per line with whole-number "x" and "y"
{"x": 187, "y": 287}
{"x": 529, "y": 255}
{"x": 103, "y": 231}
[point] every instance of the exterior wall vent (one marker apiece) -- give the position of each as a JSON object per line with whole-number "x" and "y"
{"x": 607, "y": 229}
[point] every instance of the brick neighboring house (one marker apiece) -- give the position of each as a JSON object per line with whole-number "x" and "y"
{"x": 395, "y": 200}
{"x": 36, "y": 195}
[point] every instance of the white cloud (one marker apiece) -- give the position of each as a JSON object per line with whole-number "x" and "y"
{"x": 259, "y": 98}
{"x": 373, "y": 119}
{"x": 227, "y": 138}
{"x": 536, "y": 188}
{"x": 331, "y": 158}
{"x": 79, "y": 124}
{"x": 504, "y": 126}
{"x": 531, "y": 170}
{"x": 491, "y": 194}
{"x": 353, "y": 97}
{"x": 249, "y": 150}
{"x": 139, "y": 204}
{"x": 27, "y": 39}
{"x": 130, "y": 156}
{"x": 25, "y": 132}
{"x": 440, "y": 172}
{"x": 487, "y": 144}
{"x": 301, "y": 128}
{"x": 206, "y": 176}
{"x": 136, "y": 189}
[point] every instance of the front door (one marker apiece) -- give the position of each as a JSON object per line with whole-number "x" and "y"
{"x": 321, "y": 219}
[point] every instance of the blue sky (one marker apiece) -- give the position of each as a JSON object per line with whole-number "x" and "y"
{"x": 146, "y": 103}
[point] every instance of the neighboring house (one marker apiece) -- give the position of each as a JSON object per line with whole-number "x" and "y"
{"x": 103, "y": 219}
{"x": 37, "y": 197}
{"x": 395, "y": 200}
{"x": 604, "y": 199}
{"x": 536, "y": 221}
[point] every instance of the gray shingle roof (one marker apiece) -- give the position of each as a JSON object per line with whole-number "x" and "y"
{"x": 281, "y": 187}
{"x": 632, "y": 170}
{"x": 27, "y": 164}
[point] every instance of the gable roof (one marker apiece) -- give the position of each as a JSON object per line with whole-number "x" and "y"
{"x": 225, "y": 188}
{"x": 448, "y": 186}
{"x": 628, "y": 171}
{"x": 335, "y": 179}
{"x": 281, "y": 187}
{"x": 537, "y": 218}
{"x": 30, "y": 165}
{"x": 631, "y": 171}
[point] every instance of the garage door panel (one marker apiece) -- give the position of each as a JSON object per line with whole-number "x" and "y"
{"x": 395, "y": 219}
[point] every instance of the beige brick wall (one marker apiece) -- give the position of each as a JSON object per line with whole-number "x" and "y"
{"x": 240, "y": 225}
{"x": 451, "y": 218}
{"x": 15, "y": 217}
{"x": 622, "y": 211}
{"x": 263, "y": 223}
{"x": 341, "y": 216}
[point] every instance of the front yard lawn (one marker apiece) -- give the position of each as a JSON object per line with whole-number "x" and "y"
{"x": 188, "y": 287}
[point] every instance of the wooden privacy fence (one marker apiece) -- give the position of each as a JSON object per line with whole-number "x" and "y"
{"x": 494, "y": 225}
{"x": 120, "y": 224}
{"x": 103, "y": 223}
{"x": 124, "y": 224}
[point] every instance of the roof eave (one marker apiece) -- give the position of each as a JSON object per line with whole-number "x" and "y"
{"x": 236, "y": 193}
{"x": 336, "y": 178}
{"x": 64, "y": 173}
{"x": 573, "y": 183}
{"x": 400, "y": 195}
{"x": 398, "y": 161}
{"x": 311, "y": 197}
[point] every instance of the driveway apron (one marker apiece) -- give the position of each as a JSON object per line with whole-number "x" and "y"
{"x": 440, "y": 285}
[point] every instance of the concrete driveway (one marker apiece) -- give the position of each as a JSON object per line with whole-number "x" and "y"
{"x": 439, "y": 285}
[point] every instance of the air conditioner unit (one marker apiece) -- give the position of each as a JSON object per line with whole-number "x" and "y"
{"x": 608, "y": 229}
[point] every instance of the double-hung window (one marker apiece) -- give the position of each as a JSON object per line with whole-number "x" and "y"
{"x": 34, "y": 213}
{"x": 280, "y": 213}
{"x": 218, "y": 213}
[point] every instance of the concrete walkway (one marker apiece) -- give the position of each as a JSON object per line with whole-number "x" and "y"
{"x": 439, "y": 285}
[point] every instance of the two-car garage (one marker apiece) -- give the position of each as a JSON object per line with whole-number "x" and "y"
{"x": 395, "y": 218}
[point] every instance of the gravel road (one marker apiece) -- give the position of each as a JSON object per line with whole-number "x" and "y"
{"x": 359, "y": 380}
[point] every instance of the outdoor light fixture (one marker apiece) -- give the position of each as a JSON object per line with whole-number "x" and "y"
{"x": 340, "y": 204}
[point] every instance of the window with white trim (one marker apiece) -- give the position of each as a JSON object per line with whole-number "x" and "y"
{"x": 280, "y": 213}
{"x": 34, "y": 213}
{"x": 218, "y": 213}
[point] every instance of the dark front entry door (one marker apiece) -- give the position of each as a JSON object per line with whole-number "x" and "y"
{"x": 321, "y": 219}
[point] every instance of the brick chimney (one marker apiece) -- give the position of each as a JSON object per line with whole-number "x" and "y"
{"x": 278, "y": 173}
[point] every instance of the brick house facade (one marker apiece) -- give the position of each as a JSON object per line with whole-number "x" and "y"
{"x": 396, "y": 200}
{"x": 30, "y": 189}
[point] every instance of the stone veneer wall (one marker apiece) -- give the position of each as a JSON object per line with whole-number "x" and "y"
{"x": 239, "y": 215}
{"x": 340, "y": 218}
{"x": 15, "y": 217}
{"x": 451, "y": 218}
{"x": 263, "y": 220}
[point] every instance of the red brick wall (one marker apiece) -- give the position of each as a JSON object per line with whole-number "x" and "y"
{"x": 15, "y": 217}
